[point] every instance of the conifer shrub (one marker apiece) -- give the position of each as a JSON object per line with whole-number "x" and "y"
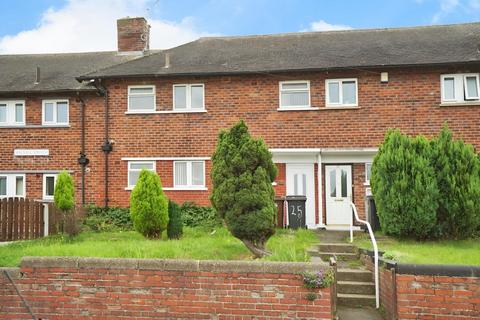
{"x": 175, "y": 224}
{"x": 405, "y": 187}
{"x": 457, "y": 170}
{"x": 64, "y": 192}
{"x": 242, "y": 176}
{"x": 149, "y": 205}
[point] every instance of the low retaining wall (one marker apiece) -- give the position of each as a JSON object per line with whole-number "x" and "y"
{"x": 90, "y": 288}
{"x": 410, "y": 291}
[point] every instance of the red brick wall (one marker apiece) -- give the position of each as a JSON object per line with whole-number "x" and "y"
{"x": 56, "y": 288}
{"x": 11, "y": 306}
{"x": 438, "y": 297}
{"x": 407, "y": 296}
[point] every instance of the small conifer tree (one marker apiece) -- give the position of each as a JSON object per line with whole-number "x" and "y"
{"x": 404, "y": 186}
{"x": 242, "y": 176}
{"x": 458, "y": 176}
{"x": 175, "y": 224}
{"x": 149, "y": 205}
{"x": 64, "y": 192}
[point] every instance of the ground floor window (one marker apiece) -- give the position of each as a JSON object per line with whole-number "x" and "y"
{"x": 189, "y": 174}
{"x": 49, "y": 181}
{"x": 12, "y": 185}
{"x": 134, "y": 168}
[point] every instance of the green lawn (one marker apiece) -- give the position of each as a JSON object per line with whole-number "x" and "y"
{"x": 466, "y": 252}
{"x": 285, "y": 245}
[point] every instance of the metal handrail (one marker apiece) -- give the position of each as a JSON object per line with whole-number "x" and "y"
{"x": 375, "y": 250}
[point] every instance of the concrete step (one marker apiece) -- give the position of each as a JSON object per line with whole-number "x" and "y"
{"x": 345, "y": 274}
{"x": 354, "y": 300}
{"x": 337, "y": 247}
{"x": 356, "y": 287}
{"x": 339, "y": 256}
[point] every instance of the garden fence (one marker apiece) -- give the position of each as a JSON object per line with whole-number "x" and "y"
{"x": 25, "y": 219}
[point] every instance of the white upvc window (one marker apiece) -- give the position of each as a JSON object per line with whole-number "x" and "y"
{"x": 460, "y": 88}
{"x": 189, "y": 97}
{"x": 12, "y": 185}
{"x": 49, "y": 182}
{"x": 12, "y": 113}
{"x": 294, "y": 94}
{"x": 189, "y": 174}
{"x": 341, "y": 92}
{"x": 141, "y": 99}
{"x": 134, "y": 169}
{"x": 55, "y": 112}
{"x": 368, "y": 172}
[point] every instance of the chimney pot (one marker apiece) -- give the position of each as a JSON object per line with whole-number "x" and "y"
{"x": 133, "y": 34}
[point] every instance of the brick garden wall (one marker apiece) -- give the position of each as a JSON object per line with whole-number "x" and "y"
{"x": 437, "y": 292}
{"x": 91, "y": 288}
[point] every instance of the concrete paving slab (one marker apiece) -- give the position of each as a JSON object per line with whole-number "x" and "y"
{"x": 366, "y": 313}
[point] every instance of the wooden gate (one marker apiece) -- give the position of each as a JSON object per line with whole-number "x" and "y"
{"x": 24, "y": 219}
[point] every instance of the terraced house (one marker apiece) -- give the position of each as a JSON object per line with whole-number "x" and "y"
{"x": 322, "y": 101}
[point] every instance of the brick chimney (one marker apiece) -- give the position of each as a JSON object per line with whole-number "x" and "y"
{"x": 133, "y": 34}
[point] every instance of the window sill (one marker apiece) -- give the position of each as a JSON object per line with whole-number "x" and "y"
{"x": 340, "y": 107}
{"x": 296, "y": 108}
{"x": 34, "y": 126}
{"x": 166, "y": 111}
{"x": 459, "y": 104}
{"x": 366, "y": 184}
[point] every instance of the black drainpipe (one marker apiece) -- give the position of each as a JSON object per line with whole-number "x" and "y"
{"x": 82, "y": 160}
{"x": 107, "y": 146}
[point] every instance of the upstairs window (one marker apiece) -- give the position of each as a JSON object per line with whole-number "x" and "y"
{"x": 12, "y": 113}
{"x": 55, "y": 112}
{"x": 341, "y": 92}
{"x": 189, "y": 174}
{"x": 141, "y": 99}
{"x": 294, "y": 94}
{"x": 188, "y": 97}
{"x": 134, "y": 169}
{"x": 12, "y": 185}
{"x": 460, "y": 88}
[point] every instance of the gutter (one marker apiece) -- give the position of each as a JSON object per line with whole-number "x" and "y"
{"x": 223, "y": 73}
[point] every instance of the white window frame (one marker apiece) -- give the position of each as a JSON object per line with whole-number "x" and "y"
{"x": 460, "y": 88}
{"x": 367, "y": 181}
{"x": 340, "y": 92}
{"x": 282, "y": 90}
{"x": 189, "y": 185}
{"x": 44, "y": 187}
{"x": 188, "y": 89}
{"x": 10, "y": 116}
{"x": 129, "y": 169}
{"x": 55, "y": 122}
{"x": 11, "y": 185}
{"x": 142, "y": 94}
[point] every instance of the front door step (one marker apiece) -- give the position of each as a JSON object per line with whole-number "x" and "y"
{"x": 355, "y": 300}
{"x": 356, "y": 287}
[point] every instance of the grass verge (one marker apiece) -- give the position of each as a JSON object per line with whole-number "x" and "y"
{"x": 197, "y": 243}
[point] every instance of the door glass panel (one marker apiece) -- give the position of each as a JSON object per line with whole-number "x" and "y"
{"x": 333, "y": 183}
{"x": 304, "y": 185}
{"x": 344, "y": 183}
{"x": 295, "y": 184}
{"x": 19, "y": 186}
{"x": 3, "y": 186}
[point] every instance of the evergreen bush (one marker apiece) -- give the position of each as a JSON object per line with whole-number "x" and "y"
{"x": 405, "y": 187}
{"x": 64, "y": 192}
{"x": 175, "y": 224}
{"x": 242, "y": 176}
{"x": 199, "y": 216}
{"x": 149, "y": 205}
{"x": 458, "y": 177}
{"x": 103, "y": 219}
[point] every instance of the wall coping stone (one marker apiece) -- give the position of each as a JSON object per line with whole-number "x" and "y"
{"x": 448, "y": 270}
{"x": 172, "y": 265}
{"x": 13, "y": 272}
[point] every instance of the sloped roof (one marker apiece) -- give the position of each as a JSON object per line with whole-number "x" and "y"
{"x": 57, "y": 71}
{"x": 444, "y": 44}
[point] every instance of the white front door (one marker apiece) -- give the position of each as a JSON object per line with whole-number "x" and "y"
{"x": 300, "y": 182}
{"x": 338, "y": 194}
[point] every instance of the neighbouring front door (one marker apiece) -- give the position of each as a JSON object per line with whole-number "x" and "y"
{"x": 338, "y": 194}
{"x": 300, "y": 182}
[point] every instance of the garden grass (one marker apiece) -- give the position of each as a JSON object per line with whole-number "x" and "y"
{"x": 458, "y": 252}
{"x": 196, "y": 243}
